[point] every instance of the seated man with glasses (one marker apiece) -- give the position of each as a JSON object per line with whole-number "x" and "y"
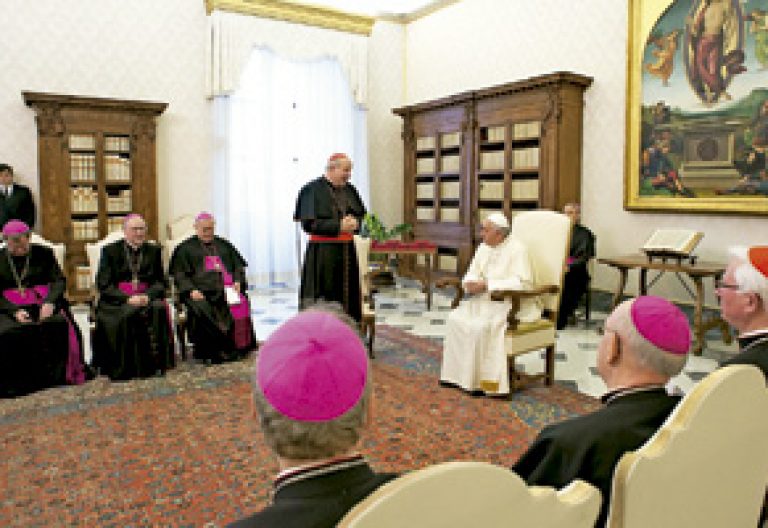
{"x": 743, "y": 295}
{"x": 645, "y": 343}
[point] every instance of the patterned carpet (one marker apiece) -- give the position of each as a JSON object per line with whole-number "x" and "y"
{"x": 184, "y": 450}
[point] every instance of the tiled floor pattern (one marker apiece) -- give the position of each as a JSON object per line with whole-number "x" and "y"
{"x": 403, "y": 306}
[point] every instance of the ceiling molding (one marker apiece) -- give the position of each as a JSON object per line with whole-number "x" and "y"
{"x": 428, "y": 9}
{"x": 298, "y": 13}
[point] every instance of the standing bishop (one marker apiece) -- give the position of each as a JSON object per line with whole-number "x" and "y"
{"x": 330, "y": 211}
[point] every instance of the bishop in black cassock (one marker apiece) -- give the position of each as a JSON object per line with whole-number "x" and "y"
{"x": 40, "y": 346}
{"x": 330, "y": 211}
{"x": 637, "y": 404}
{"x": 204, "y": 266}
{"x": 133, "y": 336}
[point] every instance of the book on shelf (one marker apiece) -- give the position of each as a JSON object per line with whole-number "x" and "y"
{"x": 675, "y": 242}
{"x": 450, "y": 140}
{"x": 527, "y": 130}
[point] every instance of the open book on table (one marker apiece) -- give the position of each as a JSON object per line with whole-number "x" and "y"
{"x": 676, "y": 242}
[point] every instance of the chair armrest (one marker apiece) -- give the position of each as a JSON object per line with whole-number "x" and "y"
{"x": 515, "y": 296}
{"x": 455, "y": 283}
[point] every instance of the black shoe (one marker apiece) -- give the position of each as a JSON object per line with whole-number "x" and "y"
{"x": 477, "y": 393}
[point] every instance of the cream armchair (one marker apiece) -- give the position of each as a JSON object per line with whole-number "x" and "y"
{"x": 368, "y": 320}
{"x": 461, "y": 494}
{"x": 179, "y": 309}
{"x": 706, "y": 466}
{"x": 546, "y": 235}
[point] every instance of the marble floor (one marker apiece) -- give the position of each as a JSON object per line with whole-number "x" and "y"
{"x": 403, "y": 306}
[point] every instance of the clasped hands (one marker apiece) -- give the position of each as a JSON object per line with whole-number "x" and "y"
{"x": 46, "y": 310}
{"x": 138, "y": 300}
{"x": 349, "y": 224}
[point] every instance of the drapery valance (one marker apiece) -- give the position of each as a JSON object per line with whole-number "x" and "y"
{"x": 232, "y": 37}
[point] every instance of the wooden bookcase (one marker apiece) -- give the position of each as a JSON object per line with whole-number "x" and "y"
{"x": 510, "y": 148}
{"x": 96, "y": 161}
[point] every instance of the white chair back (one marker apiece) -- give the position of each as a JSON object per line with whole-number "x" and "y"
{"x": 546, "y": 235}
{"x": 170, "y": 246}
{"x": 93, "y": 251}
{"x": 707, "y": 465}
{"x": 178, "y": 227}
{"x": 59, "y": 249}
{"x": 363, "y": 248}
{"x": 467, "y": 494}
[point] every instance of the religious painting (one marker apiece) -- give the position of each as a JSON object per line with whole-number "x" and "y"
{"x": 697, "y": 106}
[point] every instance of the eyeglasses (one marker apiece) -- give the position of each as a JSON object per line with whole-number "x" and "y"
{"x": 722, "y": 285}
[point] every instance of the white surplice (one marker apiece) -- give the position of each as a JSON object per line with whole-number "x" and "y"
{"x": 473, "y": 352}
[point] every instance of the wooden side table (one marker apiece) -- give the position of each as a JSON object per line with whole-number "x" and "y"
{"x": 695, "y": 272}
{"x": 428, "y": 251}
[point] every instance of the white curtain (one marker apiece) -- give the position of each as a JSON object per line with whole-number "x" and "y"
{"x": 274, "y": 134}
{"x": 232, "y": 37}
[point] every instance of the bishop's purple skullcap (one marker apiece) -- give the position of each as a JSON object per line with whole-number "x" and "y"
{"x": 13, "y": 228}
{"x": 204, "y": 216}
{"x": 662, "y": 324}
{"x": 313, "y": 368}
{"x": 130, "y": 217}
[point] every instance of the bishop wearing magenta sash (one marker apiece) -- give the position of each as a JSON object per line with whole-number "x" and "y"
{"x": 40, "y": 346}
{"x": 330, "y": 211}
{"x": 210, "y": 275}
{"x": 133, "y": 337}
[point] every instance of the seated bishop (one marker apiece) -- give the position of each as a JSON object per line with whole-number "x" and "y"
{"x": 133, "y": 337}
{"x": 210, "y": 276}
{"x": 474, "y": 357}
{"x": 40, "y": 346}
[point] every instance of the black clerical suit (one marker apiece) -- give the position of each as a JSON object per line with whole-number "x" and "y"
{"x": 589, "y": 447}
{"x": 41, "y": 353}
{"x": 18, "y": 206}
{"x": 576, "y": 278}
{"x": 753, "y": 350}
{"x": 317, "y": 497}
{"x": 218, "y": 333}
{"x": 330, "y": 268}
{"x": 131, "y": 341}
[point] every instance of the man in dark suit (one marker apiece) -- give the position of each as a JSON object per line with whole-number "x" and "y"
{"x": 311, "y": 391}
{"x": 743, "y": 294}
{"x": 645, "y": 343}
{"x": 576, "y": 280}
{"x": 15, "y": 199}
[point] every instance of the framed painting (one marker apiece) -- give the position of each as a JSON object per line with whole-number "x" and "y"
{"x": 697, "y": 106}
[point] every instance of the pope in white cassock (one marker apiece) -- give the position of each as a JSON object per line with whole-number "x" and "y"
{"x": 473, "y": 355}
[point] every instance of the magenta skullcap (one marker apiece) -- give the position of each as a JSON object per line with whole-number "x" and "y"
{"x": 204, "y": 216}
{"x": 662, "y": 324}
{"x": 130, "y": 217}
{"x": 14, "y": 228}
{"x": 313, "y": 368}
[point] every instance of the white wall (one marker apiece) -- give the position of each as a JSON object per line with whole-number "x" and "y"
{"x": 477, "y": 43}
{"x": 140, "y": 49}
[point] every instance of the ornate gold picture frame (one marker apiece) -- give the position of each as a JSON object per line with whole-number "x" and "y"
{"x": 697, "y": 106}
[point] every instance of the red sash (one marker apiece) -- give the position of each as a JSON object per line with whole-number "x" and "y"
{"x": 343, "y": 237}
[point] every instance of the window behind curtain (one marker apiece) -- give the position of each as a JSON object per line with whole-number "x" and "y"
{"x": 273, "y": 135}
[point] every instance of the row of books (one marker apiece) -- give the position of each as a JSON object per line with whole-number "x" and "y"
{"x": 82, "y": 142}
{"x": 449, "y": 190}
{"x": 525, "y": 157}
{"x": 450, "y": 140}
{"x": 117, "y": 169}
{"x": 82, "y": 277}
{"x": 449, "y": 263}
{"x": 85, "y": 200}
{"x": 115, "y": 223}
{"x": 120, "y": 202}
{"x": 82, "y": 167}
{"x": 531, "y": 129}
{"x": 493, "y": 160}
{"x": 85, "y": 229}
{"x": 117, "y": 143}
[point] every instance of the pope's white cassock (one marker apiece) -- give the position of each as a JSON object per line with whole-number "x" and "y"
{"x": 473, "y": 355}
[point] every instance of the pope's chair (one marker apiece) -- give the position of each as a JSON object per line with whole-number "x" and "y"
{"x": 546, "y": 235}
{"x": 706, "y": 466}
{"x": 462, "y": 494}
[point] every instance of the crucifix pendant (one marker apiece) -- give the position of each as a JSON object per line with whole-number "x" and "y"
{"x": 22, "y": 291}
{"x": 135, "y": 283}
